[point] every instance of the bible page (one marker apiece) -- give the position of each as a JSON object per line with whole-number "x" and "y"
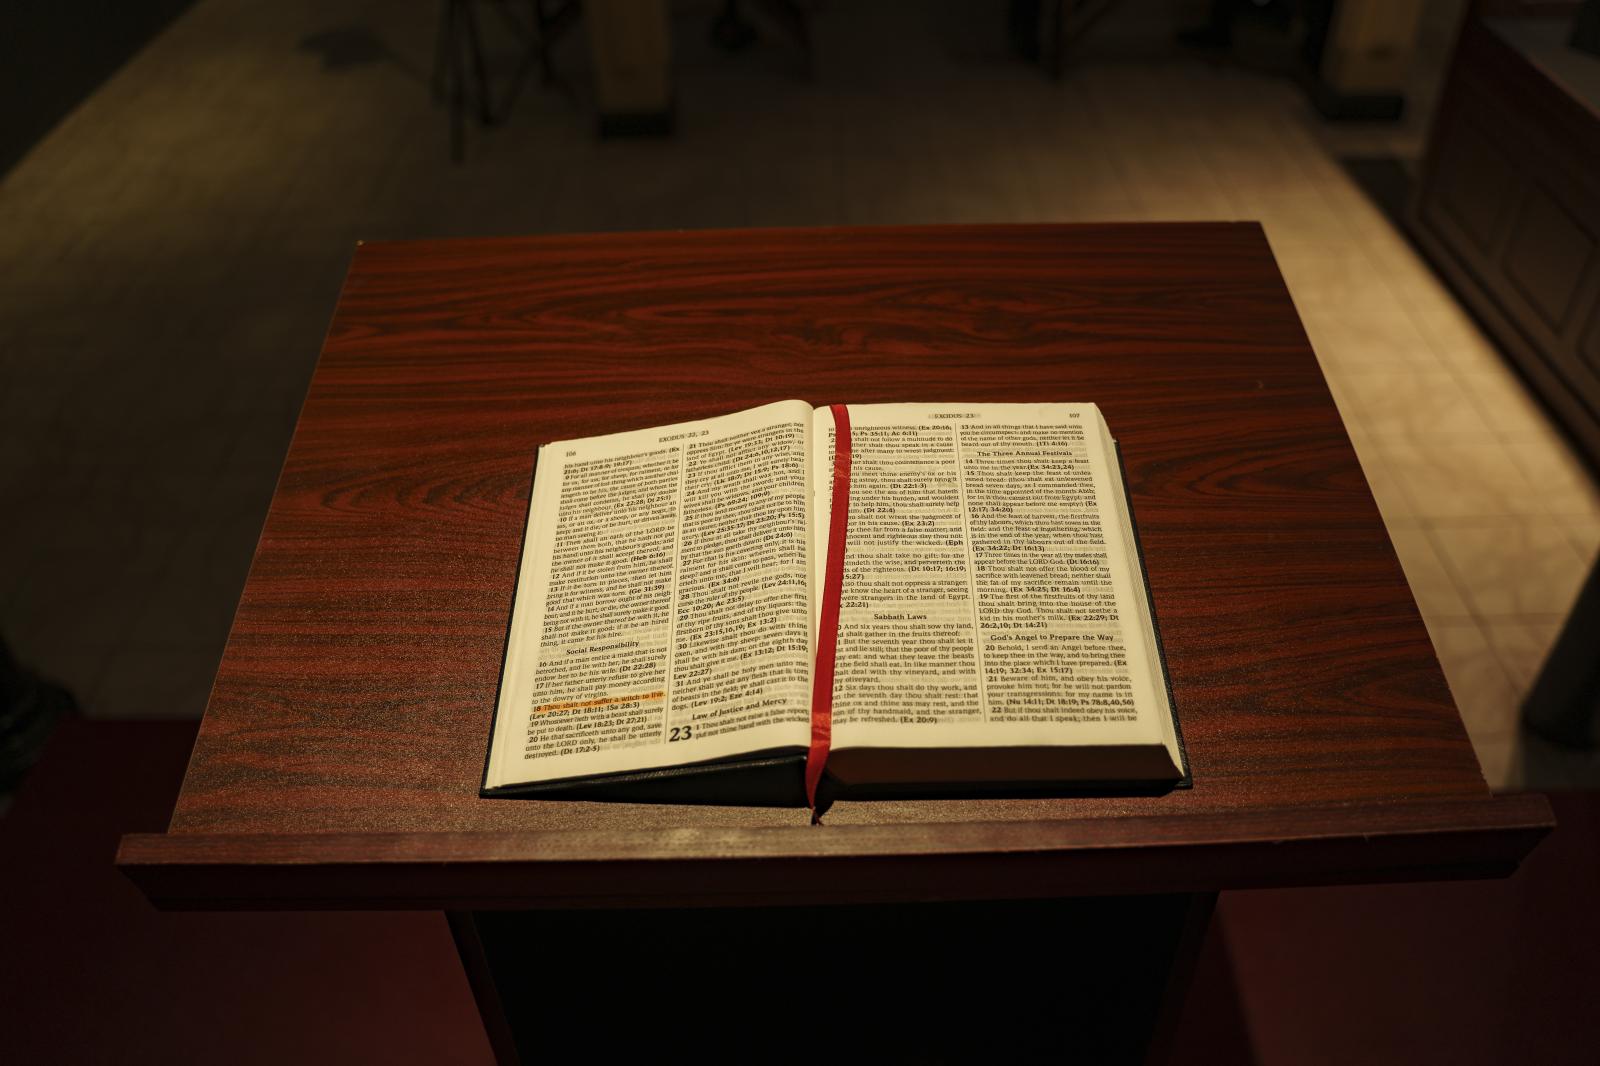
{"x": 663, "y": 609}
{"x": 992, "y": 594}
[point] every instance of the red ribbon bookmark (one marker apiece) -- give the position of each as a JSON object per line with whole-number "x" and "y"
{"x": 832, "y": 587}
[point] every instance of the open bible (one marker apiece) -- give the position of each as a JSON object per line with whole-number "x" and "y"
{"x": 919, "y": 598}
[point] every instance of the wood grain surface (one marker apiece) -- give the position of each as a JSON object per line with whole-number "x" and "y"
{"x": 356, "y": 690}
{"x": 927, "y": 861}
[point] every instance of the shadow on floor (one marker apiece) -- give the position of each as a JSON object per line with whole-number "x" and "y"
{"x": 54, "y": 55}
{"x": 1387, "y": 181}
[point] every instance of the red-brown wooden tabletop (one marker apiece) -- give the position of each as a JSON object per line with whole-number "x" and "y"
{"x": 341, "y": 752}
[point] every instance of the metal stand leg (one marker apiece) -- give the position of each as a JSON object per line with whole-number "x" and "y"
{"x": 479, "y": 72}
{"x": 460, "y": 46}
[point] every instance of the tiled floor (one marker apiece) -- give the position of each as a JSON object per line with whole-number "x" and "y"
{"x": 169, "y": 257}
